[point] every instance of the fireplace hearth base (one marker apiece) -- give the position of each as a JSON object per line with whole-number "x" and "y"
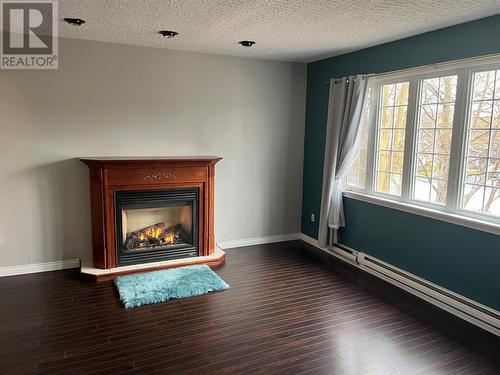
{"x": 90, "y": 273}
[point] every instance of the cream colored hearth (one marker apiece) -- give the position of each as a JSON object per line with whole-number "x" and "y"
{"x": 97, "y": 274}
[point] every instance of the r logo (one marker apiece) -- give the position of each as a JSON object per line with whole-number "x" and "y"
{"x": 29, "y": 28}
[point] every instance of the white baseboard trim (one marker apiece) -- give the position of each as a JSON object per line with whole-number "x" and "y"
{"x": 258, "y": 240}
{"x": 75, "y": 263}
{"x": 39, "y": 267}
{"x": 454, "y": 303}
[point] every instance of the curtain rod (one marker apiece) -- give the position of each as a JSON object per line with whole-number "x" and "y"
{"x": 337, "y": 80}
{"x": 450, "y": 64}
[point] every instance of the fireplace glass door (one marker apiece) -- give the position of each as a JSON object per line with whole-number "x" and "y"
{"x": 155, "y": 225}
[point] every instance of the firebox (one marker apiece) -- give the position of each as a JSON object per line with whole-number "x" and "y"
{"x": 155, "y": 225}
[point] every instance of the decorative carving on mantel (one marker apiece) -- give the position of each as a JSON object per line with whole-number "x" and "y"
{"x": 161, "y": 175}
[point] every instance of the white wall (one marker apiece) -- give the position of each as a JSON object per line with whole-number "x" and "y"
{"x": 109, "y": 99}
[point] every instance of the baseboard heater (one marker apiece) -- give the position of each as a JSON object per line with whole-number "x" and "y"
{"x": 454, "y": 303}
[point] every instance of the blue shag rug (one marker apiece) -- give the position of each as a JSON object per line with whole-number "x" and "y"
{"x": 160, "y": 286}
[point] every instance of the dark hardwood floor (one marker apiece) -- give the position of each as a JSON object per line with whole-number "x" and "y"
{"x": 286, "y": 313}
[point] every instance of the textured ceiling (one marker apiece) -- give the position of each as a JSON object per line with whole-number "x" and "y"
{"x": 290, "y": 30}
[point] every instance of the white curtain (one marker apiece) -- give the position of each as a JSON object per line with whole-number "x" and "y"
{"x": 348, "y": 114}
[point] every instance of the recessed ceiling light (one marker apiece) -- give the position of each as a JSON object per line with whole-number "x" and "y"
{"x": 168, "y": 34}
{"x": 74, "y": 21}
{"x": 247, "y": 43}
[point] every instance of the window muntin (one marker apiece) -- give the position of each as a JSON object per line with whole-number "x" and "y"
{"x": 433, "y": 139}
{"x": 481, "y": 185}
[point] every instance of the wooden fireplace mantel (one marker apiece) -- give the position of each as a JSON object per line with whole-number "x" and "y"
{"x": 111, "y": 174}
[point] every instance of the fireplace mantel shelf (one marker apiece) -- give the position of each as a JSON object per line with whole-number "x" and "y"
{"x": 152, "y": 158}
{"x": 135, "y": 160}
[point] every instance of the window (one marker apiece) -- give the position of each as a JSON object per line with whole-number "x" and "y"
{"x": 482, "y": 164}
{"x": 436, "y": 141}
{"x": 434, "y": 131}
{"x": 391, "y": 137}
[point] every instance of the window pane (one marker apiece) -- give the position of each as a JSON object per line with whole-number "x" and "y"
{"x": 496, "y": 114}
{"x": 476, "y": 170}
{"x": 424, "y": 165}
{"x": 438, "y": 191}
{"x": 443, "y": 141}
{"x": 397, "y": 162}
{"x": 436, "y": 113}
{"x": 440, "y": 166}
{"x": 395, "y": 187}
{"x": 481, "y": 114}
{"x": 398, "y": 140}
{"x": 482, "y": 170}
{"x": 387, "y": 119}
{"x": 391, "y": 138}
{"x": 445, "y": 115}
{"x": 426, "y": 141}
{"x": 384, "y": 140}
{"x": 448, "y": 89}
{"x": 430, "y": 90}
{"x": 495, "y": 144}
{"x": 483, "y": 85}
{"x": 388, "y": 94}
{"x": 384, "y": 161}
{"x": 492, "y": 201}
{"x": 402, "y": 93}
{"x": 497, "y": 85}
{"x": 422, "y": 189}
{"x": 400, "y": 117}
{"x": 383, "y": 182}
{"x": 428, "y": 116}
{"x": 479, "y": 142}
{"x": 473, "y": 197}
{"x": 493, "y": 178}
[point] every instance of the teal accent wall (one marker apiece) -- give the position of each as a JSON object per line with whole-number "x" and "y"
{"x": 464, "y": 260}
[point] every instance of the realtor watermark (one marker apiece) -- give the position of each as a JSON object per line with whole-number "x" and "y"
{"x": 29, "y": 37}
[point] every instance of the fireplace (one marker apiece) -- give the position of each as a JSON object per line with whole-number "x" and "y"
{"x": 156, "y": 225}
{"x": 152, "y": 213}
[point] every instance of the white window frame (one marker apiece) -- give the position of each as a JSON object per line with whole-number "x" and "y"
{"x": 451, "y": 211}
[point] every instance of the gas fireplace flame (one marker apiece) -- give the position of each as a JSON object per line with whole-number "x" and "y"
{"x": 155, "y": 236}
{"x": 154, "y": 232}
{"x": 169, "y": 238}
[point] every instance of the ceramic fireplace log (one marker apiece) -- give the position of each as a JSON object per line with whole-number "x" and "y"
{"x": 156, "y": 235}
